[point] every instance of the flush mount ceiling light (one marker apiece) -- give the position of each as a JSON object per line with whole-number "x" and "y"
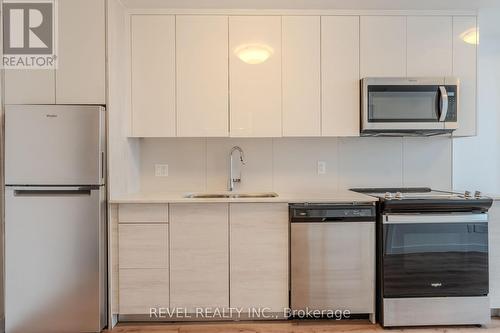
{"x": 470, "y": 36}
{"x": 253, "y": 53}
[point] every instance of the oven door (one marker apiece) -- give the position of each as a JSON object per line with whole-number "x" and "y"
{"x": 404, "y": 105}
{"x": 435, "y": 255}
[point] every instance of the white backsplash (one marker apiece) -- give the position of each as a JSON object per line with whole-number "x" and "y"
{"x": 290, "y": 164}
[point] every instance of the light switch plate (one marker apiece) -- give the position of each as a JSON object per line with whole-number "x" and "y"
{"x": 321, "y": 167}
{"x": 161, "y": 170}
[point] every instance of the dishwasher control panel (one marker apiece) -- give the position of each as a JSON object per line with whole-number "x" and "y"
{"x": 331, "y": 212}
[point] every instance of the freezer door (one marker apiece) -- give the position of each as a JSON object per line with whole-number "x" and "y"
{"x": 54, "y": 253}
{"x": 54, "y": 145}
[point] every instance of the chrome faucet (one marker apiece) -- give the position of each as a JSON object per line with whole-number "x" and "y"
{"x": 232, "y": 179}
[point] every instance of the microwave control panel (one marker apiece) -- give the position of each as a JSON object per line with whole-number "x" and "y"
{"x": 452, "y": 103}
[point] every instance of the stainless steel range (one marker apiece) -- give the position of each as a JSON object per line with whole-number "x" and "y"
{"x": 432, "y": 257}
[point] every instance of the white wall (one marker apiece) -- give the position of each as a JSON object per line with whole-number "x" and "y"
{"x": 290, "y": 164}
{"x": 476, "y": 160}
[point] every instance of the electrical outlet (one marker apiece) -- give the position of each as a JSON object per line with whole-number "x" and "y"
{"x": 321, "y": 167}
{"x": 161, "y": 170}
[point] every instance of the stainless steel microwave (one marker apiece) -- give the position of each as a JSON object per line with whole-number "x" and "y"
{"x": 409, "y": 106}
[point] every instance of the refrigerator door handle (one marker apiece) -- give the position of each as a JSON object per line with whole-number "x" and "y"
{"x": 53, "y": 192}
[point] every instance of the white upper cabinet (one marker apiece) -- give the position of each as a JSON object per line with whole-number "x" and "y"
{"x": 153, "y": 75}
{"x": 81, "y": 72}
{"x": 340, "y": 75}
{"x": 255, "y": 76}
{"x": 202, "y": 76}
{"x": 80, "y": 75}
{"x": 301, "y": 76}
{"x": 464, "y": 67}
{"x": 383, "y": 46}
{"x": 429, "y": 46}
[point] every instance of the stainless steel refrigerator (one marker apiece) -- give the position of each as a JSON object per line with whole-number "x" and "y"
{"x": 55, "y": 219}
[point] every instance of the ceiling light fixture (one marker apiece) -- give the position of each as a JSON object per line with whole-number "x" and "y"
{"x": 470, "y": 36}
{"x": 253, "y": 53}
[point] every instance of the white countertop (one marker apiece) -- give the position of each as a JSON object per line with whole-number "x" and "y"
{"x": 339, "y": 196}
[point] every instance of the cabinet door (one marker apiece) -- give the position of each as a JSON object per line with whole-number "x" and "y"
{"x": 259, "y": 256}
{"x": 255, "y": 75}
{"x": 202, "y": 76}
{"x": 199, "y": 267}
{"x": 25, "y": 86}
{"x": 153, "y": 75}
{"x": 301, "y": 76}
{"x": 143, "y": 289}
{"x": 429, "y": 46}
{"x": 464, "y": 67}
{"x": 80, "y": 76}
{"x": 143, "y": 213}
{"x": 383, "y": 46}
{"x": 143, "y": 245}
{"x": 340, "y": 75}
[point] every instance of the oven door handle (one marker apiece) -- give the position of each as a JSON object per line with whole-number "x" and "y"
{"x": 434, "y": 218}
{"x": 443, "y": 103}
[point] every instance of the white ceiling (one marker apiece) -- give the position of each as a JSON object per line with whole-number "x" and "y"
{"x": 315, "y": 4}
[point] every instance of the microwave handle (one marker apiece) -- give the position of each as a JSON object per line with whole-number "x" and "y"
{"x": 443, "y": 103}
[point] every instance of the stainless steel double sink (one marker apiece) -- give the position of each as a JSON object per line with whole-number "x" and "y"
{"x": 230, "y": 195}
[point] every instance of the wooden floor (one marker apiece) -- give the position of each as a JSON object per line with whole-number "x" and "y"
{"x": 292, "y": 327}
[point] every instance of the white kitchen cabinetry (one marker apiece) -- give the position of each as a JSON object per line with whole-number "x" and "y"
{"x": 494, "y": 254}
{"x": 153, "y": 75}
{"x": 383, "y": 46}
{"x": 143, "y": 245}
{"x": 143, "y": 258}
{"x": 255, "y": 85}
{"x": 259, "y": 255}
{"x": 143, "y": 289}
{"x": 202, "y": 76}
{"x": 199, "y": 266}
{"x": 340, "y": 75}
{"x": 430, "y": 46}
{"x": 80, "y": 76}
{"x": 301, "y": 76}
{"x": 464, "y": 67}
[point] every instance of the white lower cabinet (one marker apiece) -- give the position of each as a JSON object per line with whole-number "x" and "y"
{"x": 184, "y": 264}
{"x": 259, "y": 256}
{"x": 143, "y": 289}
{"x": 143, "y": 245}
{"x": 199, "y": 266}
{"x": 143, "y": 259}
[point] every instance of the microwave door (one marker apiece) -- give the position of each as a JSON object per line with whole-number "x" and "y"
{"x": 405, "y": 107}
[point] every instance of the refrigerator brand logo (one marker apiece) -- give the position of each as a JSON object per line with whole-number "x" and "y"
{"x": 29, "y": 34}
{"x": 51, "y": 115}
{"x": 436, "y": 284}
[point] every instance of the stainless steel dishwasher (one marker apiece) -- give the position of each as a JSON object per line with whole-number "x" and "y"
{"x": 332, "y": 258}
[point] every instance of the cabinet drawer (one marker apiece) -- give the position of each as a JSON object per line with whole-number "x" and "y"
{"x": 143, "y": 245}
{"x": 142, "y": 289}
{"x": 143, "y": 213}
